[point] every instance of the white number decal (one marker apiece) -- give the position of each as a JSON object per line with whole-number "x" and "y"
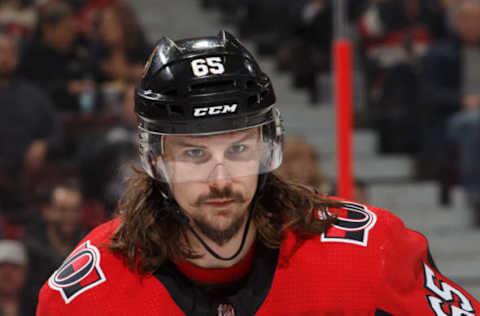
{"x": 204, "y": 66}
{"x": 444, "y": 293}
{"x": 216, "y": 66}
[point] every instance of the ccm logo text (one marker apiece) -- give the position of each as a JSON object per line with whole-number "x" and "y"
{"x": 215, "y": 110}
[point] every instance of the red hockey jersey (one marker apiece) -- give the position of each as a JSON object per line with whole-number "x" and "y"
{"x": 368, "y": 263}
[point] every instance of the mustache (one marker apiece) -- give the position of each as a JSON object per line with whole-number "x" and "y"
{"x": 215, "y": 193}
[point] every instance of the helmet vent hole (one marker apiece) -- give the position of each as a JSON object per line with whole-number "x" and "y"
{"x": 250, "y": 84}
{"x": 207, "y": 87}
{"x": 252, "y": 100}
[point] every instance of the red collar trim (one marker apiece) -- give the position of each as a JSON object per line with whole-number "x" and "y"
{"x": 235, "y": 272}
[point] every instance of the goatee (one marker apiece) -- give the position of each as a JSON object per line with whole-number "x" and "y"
{"x": 220, "y": 237}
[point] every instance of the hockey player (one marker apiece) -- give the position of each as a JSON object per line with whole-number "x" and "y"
{"x": 208, "y": 229}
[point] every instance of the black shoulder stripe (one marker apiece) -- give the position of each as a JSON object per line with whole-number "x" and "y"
{"x": 379, "y": 312}
{"x": 431, "y": 262}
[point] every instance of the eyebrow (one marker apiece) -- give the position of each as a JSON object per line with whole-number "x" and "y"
{"x": 187, "y": 144}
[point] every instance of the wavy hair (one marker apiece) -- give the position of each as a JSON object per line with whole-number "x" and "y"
{"x": 149, "y": 234}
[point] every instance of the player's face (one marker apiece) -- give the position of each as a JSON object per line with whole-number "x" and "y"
{"x": 218, "y": 197}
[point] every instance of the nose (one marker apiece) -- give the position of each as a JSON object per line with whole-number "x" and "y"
{"x": 219, "y": 177}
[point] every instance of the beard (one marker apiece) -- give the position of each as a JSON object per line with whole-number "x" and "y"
{"x": 220, "y": 236}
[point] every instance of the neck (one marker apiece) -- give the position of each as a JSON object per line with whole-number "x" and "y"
{"x": 61, "y": 245}
{"x": 5, "y": 82}
{"x": 9, "y": 305}
{"x": 226, "y": 250}
{"x": 55, "y": 45}
{"x": 8, "y": 298}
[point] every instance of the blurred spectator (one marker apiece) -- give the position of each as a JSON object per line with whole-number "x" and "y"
{"x": 464, "y": 136}
{"x": 301, "y": 164}
{"x": 15, "y": 297}
{"x": 87, "y": 13}
{"x": 54, "y": 235}
{"x": 18, "y": 17}
{"x": 395, "y": 35}
{"x": 15, "y": 211}
{"x": 450, "y": 7}
{"x": 123, "y": 47}
{"x": 308, "y": 52}
{"x": 395, "y": 31}
{"x": 56, "y": 60}
{"x": 260, "y": 22}
{"x": 29, "y": 125}
{"x": 125, "y": 129}
{"x": 29, "y": 133}
{"x": 451, "y": 83}
{"x": 109, "y": 164}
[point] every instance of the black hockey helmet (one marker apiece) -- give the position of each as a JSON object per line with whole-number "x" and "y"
{"x": 204, "y": 86}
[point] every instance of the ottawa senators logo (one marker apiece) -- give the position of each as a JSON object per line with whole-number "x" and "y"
{"x": 78, "y": 273}
{"x": 354, "y": 221}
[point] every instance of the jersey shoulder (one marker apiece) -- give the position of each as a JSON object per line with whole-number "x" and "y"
{"x": 93, "y": 278}
{"x": 84, "y": 267}
{"x": 87, "y": 274}
{"x": 362, "y": 225}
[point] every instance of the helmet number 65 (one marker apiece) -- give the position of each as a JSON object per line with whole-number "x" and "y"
{"x": 209, "y": 65}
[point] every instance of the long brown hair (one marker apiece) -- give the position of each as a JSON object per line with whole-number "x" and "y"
{"x": 148, "y": 234}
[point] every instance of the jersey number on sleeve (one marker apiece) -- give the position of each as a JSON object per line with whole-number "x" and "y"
{"x": 445, "y": 295}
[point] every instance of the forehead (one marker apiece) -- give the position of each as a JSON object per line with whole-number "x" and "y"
{"x": 469, "y": 8}
{"x": 68, "y": 196}
{"x": 229, "y": 137}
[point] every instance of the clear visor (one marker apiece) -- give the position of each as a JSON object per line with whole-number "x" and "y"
{"x": 209, "y": 158}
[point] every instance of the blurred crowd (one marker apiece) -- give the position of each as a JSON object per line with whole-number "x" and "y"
{"x": 420, "y": 61}
{"x": 67, "y": 75}
{"x": 68, "y": 69}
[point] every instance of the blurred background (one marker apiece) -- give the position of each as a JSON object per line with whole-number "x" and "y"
{"x": 68, "y": 69}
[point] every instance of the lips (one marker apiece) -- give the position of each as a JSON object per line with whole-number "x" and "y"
{"x": 219, "y": 202}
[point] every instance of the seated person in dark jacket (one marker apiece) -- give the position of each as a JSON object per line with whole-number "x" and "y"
{"x": 50, "y": 238}
{"x": 119, "y": 54}
{"x": 464, "y": 125}
{"x": 451, "y": 82}
{"x": 122, "y": 46}
{"x": 55, "y": 61}
{"x": 29, "y": 129}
